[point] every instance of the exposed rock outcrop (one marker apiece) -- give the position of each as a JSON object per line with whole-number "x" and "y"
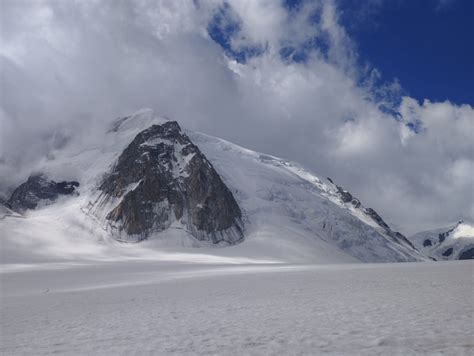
{"x": 38, "y": 188}
{"x": 348, "y": 198}
{"x": 162, "y": 180}
{"x": 467, "y": 254}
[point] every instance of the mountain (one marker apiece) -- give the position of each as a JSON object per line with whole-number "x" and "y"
{"x": 39, "y": 190}
{"x": 149, "y": 180}
{"x": 455, "y": 242}
{"x": 161, "y": 179}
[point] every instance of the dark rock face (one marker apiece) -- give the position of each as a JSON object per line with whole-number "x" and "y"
{"x": 427, "y": 243}
{"x": 161, "y": 178}
{"x": 467, "y": 254}
{"x": 448, "y": 252}
{"x": 344, "y": 194}
{"x": 36, "y": 189}
{"x": 347, "y": 197}
{"x": 377, "y": 218}
{"x": 355, "y": 202}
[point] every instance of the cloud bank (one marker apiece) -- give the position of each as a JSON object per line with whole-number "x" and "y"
{"x": 283, "y": 80}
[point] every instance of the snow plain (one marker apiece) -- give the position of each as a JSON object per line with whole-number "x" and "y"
{"x": 134, "y": 307}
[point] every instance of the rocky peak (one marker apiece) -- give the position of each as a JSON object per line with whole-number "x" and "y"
{"x": 162, "y": 179}
{"x": 38, "y": 188}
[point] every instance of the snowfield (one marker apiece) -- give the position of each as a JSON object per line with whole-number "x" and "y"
{"x": 150, "y": 307}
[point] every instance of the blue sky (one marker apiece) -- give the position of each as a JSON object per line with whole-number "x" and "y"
{"x": 428, "y": 45}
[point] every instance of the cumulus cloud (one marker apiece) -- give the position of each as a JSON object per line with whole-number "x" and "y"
{"x": 68, "y": 68}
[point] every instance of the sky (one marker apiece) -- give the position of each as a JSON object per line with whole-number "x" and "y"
{"x": 427, "y": 45}
{"x": 376, "y": 96}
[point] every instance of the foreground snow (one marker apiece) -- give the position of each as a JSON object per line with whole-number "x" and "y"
{"x": 136, "y": 307}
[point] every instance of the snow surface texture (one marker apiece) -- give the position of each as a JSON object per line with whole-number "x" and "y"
{"x": 190, "y": 309}
{"x": 448, "y": 243}
{"x": 291, "y": 215}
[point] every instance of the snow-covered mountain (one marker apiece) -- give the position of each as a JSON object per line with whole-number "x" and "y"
{"x": 450, "y": 243}
{"x": 150, "y": 180}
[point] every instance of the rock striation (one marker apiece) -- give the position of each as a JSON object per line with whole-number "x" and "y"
{"x": 162, "y": 180}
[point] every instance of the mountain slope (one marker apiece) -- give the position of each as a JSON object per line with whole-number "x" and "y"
{"x": 451, "y": 243}
{"x": 289, "y": 213}
{"x": 272, "y": 191}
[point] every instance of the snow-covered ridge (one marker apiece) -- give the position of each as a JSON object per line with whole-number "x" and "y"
{"x": 301, "y": 196}
{"x": 328, "y": 190}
